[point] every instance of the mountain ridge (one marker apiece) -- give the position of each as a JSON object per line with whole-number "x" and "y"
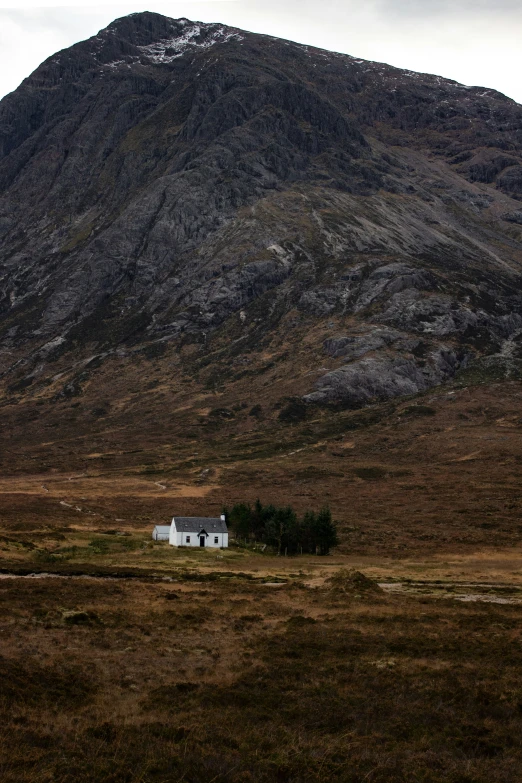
{"x": 169, "y": 183}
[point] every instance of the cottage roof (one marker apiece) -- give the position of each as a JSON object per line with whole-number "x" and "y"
{"x": 162, "y": 529}
{"x": 196, "y": 524}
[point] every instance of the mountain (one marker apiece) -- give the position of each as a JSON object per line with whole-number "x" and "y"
{"x": 246, "y": 214}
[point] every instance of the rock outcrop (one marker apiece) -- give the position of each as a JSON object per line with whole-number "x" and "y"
{"x": 167, "y": 177}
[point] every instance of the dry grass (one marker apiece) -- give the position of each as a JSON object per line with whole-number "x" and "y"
{"x": 217, "y": 676}
{"x": 235, "y": 681}
{"x": 398, "y": 483}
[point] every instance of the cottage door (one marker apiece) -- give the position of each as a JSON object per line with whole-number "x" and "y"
{"x": 202, "y": 540}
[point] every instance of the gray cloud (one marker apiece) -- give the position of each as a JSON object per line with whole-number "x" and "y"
{"x": 472, "y": 41}
{"x": 450, "y": 8}
{"x": 34, "y": 20}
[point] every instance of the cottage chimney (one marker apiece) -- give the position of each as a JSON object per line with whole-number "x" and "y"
{"x": 223, "y": 518}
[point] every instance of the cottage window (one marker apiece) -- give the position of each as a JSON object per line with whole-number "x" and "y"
{"x": 216, "y": 540}
{"x": 188, "y": 540}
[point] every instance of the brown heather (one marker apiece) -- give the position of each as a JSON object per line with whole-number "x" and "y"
{"x": 241, "y": 681}
{"x": 209, "y": 267}
{"x": 217, "y": 676}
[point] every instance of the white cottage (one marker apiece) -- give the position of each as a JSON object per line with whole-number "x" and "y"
{"x": 199, "y": 531}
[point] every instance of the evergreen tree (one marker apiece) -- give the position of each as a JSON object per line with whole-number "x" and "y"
{"x": 261, "y": 516}
{"x": 240, "y": 520}
{"x": 308, "y": 533}
{"x": 325, "y": 532}
{"x": 292, "y": 532}
{"x": 279, "y": 527}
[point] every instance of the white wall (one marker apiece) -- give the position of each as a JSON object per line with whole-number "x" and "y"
{"x": 180, "y": 539}
{"x": 159, "y": 536}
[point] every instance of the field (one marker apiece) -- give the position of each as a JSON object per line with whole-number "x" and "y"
{"x": 274, "y": 673}
{"x": 397, "y": 659}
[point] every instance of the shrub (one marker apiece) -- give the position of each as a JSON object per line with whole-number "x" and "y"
{"x": 222, "y": 413}
{"x": 370, "y": 474}
{"x": 28, "y": 682}
{"x": 419, "y": 410}
{"x": 294, "y": 411}
{"x": 352, "y": 581}
{"x": 79, "y": 617}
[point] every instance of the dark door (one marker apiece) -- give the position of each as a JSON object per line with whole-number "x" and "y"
{"x": 202, "y": 540}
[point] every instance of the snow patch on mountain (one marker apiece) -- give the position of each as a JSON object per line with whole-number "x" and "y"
{"x": 194, "y": 38}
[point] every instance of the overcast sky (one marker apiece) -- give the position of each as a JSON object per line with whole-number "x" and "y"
{"x": 476, "y": 42}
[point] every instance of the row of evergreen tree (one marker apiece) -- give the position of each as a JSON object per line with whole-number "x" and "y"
{"x": 281, "y": 528}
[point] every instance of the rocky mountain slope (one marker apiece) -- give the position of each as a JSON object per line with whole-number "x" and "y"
{"x": 229, "y": 205}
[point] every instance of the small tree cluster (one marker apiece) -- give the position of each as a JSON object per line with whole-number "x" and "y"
{"x": 280, "y": 527}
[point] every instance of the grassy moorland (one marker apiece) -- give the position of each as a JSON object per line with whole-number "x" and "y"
{"x": 225, "y": 677}
{"x": 126, "y": 661}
